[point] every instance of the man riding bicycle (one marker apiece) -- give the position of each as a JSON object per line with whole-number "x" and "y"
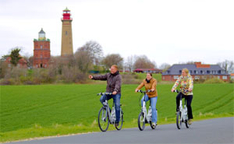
{"x": 113, "y": 86}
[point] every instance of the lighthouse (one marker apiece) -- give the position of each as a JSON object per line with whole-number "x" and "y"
{"x": 67, "y": 44}
{"x": 41, "y": 53}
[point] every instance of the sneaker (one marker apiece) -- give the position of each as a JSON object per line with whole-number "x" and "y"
{"x": 116, "y": 124}
{"x": 190, "y": 121}
{"x": 154, "y": 125}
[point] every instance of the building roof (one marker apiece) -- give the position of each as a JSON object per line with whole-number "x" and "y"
{"x": 41, "y": 31}
{"x": 21, "y": 60}
{"x": 148, "y": 69}
{"x": 151, "y": 70}
{"x": 66, "y": 9}
{"x": 195, "y": 69}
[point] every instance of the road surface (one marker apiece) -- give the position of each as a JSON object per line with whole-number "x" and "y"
{"x": 208, "y": 132}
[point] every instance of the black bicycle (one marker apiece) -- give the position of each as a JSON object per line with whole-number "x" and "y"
{"x": 107, "y": 116}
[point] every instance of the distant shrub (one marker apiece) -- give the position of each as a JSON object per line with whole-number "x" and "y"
{"x": 213, "y": 81}
{"x": 128, "y": 78}
{"x": 199, "y": 81}
{"x": 6, "y": 81}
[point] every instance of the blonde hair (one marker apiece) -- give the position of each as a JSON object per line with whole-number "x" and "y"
{"x": 115, "y": 66}
{"x": 186, "y": 71}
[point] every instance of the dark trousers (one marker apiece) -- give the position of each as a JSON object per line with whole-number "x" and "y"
{"x": 188, "y": 99}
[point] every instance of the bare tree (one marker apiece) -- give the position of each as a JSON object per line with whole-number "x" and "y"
{"x": 111, "y": 59}
{"x": 129, "y": 64}
{"x": 56, "y": 64}
{"x": 155, "y": 64}
{"x": 164, "y": 66}
{"x": 3, "y": 68}
{"x": 143, "y": 62}
{"x": 83, "y": 60}
{"x": 87, "y": 56}
{"x": 29, "y": 60}
{"x": 93, "y": 50}
{"x": 227, "y": 65}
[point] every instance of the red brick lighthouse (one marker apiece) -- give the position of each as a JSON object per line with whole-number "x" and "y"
{"x": 41, "y": 55}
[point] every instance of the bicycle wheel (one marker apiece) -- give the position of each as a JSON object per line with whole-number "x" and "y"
{"x": 178, "y": 120}
{"x": 151, "y": 125}
{"x": 187, "y": 124}
{"x": 141, "y": 121}
{"x": 119, "y": 127}
{"x": 103, "y": 120}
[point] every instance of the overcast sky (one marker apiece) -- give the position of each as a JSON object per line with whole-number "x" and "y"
{"x": 167, "y": 31}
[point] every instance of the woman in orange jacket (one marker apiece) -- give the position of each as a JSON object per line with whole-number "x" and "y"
{"x": 150, "y": 83}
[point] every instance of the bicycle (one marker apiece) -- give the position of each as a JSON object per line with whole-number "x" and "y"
{"x": 145, "y": 117}
{"x": 107, "y": 115}
{"x": 182, "y": 113}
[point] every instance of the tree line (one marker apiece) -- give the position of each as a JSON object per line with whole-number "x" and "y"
{"x": 88, "y": 58}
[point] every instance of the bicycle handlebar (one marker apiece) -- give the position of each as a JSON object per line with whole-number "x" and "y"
{"x": 178, "y": 91}
{"x": 144, "y": 91}
{"x": 106, "y": 93}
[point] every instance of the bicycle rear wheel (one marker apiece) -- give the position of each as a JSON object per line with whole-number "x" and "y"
{"x": 103, "y": 120}
{"x": 141, "y": 121}
{"x": 178, "y": 120}
{"x": 119, "y": 127}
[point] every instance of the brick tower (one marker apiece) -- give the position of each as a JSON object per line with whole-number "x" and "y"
{"x": 41, "y": 54}
{"x": 67, "y": 46}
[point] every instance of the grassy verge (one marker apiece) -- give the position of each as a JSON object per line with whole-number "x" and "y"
{"x": 52, "y": 110}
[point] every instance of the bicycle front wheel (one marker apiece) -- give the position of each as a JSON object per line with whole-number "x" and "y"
{"x": 141, "y": 121}
{"x": 187, "y": 124}
{"x": 178, "y": 120}
{"x": 119, "y": 127}
{"x": 103, "y": 119}
{"x": 151, "y": 125}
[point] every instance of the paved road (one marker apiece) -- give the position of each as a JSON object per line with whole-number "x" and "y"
{"x": 209, "y": 131}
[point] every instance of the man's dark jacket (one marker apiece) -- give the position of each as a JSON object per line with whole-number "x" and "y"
{"x": 113, "y": 81}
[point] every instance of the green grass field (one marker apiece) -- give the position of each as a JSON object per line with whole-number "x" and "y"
{"x": 48, "y": 110}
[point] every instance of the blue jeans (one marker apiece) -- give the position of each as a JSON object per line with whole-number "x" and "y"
{"x": 116, "y": 99}
{"x": 153, "y": 102}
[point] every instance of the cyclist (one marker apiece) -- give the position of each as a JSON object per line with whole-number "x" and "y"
{"x": 113, "y": 86}
{"x": 186, "y": 84}
{"x": 150, "y": 83}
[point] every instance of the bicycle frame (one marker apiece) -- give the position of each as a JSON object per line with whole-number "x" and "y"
{"x": 147, "y": 114}
{"x": 183, "y": 110}
{"x": 111, "y": 115}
